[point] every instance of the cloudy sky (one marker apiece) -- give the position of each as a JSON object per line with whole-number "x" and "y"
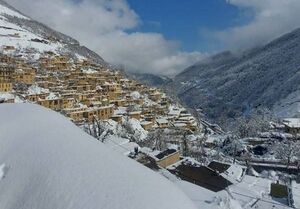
{"x": 165, "y": 36}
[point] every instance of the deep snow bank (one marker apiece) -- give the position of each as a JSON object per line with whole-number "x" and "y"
{"x": 50, "y": 163}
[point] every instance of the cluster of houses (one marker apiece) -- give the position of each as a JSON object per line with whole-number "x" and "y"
{"x": 14, "y": 71}
{"x": 85, "y": 91}
{"x": 217, "y": 180}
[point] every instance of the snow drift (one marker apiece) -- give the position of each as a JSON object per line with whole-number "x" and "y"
{"x": 47, "y": 162}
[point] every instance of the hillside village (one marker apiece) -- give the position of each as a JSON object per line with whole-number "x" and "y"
{"x": 85, "y": 91}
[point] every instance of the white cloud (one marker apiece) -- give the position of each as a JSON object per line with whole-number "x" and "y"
{"x": 102, "y": 26}
{"x": 271, "y": 19}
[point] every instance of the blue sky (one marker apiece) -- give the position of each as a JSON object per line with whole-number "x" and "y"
{"x": 186, "y": 21}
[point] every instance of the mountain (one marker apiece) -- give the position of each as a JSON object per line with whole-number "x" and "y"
{"x": 31, "y": 38}
{"x": 150, "y": 79}
{"x": 48, "y": 162}
{"x": 230, "y": 84}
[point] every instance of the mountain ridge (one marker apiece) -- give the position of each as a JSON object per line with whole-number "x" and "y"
{"x": 233, "y": 84}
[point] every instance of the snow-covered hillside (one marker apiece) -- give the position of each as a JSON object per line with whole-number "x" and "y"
{"x": 228, "y": 84}
{"x": 47, "y": 162}
{"x": 20, "y": 35}
{"x": 14, "y": 35}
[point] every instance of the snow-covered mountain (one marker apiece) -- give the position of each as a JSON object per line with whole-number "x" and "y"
{"x": 31, "y": 38}
{"x": 228, "y": 84}
{"x": 47, "y": 162}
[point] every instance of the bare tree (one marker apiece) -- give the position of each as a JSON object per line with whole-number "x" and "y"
{"x": 185, "y": 144}
{"x": 197, "y": 115}
{"x": 287, "y": 150}
{"x": 156, "y": 139}
{"x": 128, "y": 130}
{"x": 247, "y": 158}
{"x": 235, "y": 142}
{"x": 251, "y": 125}
{"x": 98, "y": 129}
{"x": 232, "y": 146}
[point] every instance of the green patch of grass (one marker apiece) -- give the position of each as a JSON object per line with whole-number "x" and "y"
{"x": 279, "y": 190}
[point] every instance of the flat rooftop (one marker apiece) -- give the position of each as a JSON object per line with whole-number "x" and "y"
{"x": 201, "y": 176}
{"x": 165, "y": 153}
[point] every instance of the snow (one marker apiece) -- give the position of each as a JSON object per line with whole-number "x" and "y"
{"x": 253, "y": 189}
{"x": 292, "y": 122}
{"x": 52, "y": 96}
{"x": 21, "y": 38}
{"x": 139, "y": 130}
{"x": 6, "y": 11}
{"x": 120, "y": 145}
{"x": 148, "y": 102}
{"x": 246, "y": 192}
{"x": 161, "y": 120}
{"x": 34, "y": 89}
{"x": 8, "y": 96}
{"x": 253, "y": 172}
{"x": 120, "y": 111}
{"x": 80, "y": 57}
{"x": 24, "y": 39}
{"x": 54, "y": 164}
{"x": 212, "y": 138}
{"x": 135, "y": 95}
{"x": 145, "y": 122}
{"x": 203, "y": 198}
{"x": 296, "y": 194}
{"x": 89, "y": 71}
{"x": 150, "y": 152}
{"x": 179, "y": 124}
{"x": 234, "y": 173}
{"x": 175, "y": 111}
{"x": 251, "y": 193}
{"x": 289, "y": 106}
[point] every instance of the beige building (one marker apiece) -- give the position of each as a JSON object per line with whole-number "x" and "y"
{"x": 167, "y": 157}
{"x": 147, "y": 125}
{"x": 5, "y": 87}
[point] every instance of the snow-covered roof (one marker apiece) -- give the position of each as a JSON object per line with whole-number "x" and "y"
{"x": 161, "y": 120}
{"x": 292, "y": 122}
{"x": 47, "y": 162}
{"x": 89, "y": 71}
{"x": 34, "y": 89}
{"x": 52, "y": 96}
{"x": 145, "y": 122}
{"x": 179, "y": 124}
{"x": 120, "y": 111}
{"x": 135, "y": 112}
{"x": 135, "y": 95}
{"x": 8, "y": 96}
